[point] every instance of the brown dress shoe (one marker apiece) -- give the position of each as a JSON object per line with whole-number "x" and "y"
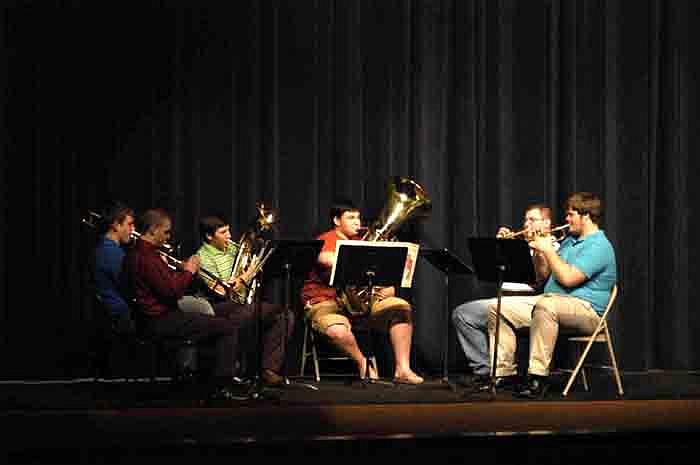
{"x": 270, "y": 378}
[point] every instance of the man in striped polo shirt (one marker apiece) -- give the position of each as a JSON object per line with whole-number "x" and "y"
{"x": 217, "y": 255}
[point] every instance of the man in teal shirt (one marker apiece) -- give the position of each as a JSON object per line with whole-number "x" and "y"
{"x": 580, "y": 277}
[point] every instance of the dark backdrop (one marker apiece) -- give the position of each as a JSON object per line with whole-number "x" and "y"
{"x": 489, "y": 105}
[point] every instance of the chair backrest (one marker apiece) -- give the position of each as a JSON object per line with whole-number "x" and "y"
{"x": 611, "y": 302}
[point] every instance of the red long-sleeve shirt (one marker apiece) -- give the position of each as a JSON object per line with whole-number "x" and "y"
{"x": 155, "y": 287}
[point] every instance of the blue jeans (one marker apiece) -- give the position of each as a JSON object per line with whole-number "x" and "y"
{"x": 470, "y": 321}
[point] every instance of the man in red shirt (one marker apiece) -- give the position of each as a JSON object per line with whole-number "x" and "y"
{"x": 156, "y": 288}
{"x": 328, "y": 316}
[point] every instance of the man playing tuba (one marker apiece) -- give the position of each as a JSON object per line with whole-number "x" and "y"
{"x": 217, "y": 256}
{"x": 330, "y": 317}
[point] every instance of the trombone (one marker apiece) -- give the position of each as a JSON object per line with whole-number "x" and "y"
{"x": 165, "y": 251}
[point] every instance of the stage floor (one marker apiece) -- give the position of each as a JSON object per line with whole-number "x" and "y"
{"x": 100, "y": 421}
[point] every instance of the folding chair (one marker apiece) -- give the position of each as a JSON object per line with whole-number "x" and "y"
{"x": 136, "y": 346}
{"x": 310, "y": 348}
{"x": 601, "y": 335}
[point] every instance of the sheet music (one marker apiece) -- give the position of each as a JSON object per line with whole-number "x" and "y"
{"x": 411, "y": 256}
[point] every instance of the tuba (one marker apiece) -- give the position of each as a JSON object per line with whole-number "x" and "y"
{"x": 406, "y": 199}
{"x": 253, "y": 251}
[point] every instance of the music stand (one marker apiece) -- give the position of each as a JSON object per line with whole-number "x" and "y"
{"x": 257, "y": 392}
{"x": 449, "y": 264}
{"x": 500, "y": 260}
{"x": 368, "y": 264}
{"x": 292, "y": 259}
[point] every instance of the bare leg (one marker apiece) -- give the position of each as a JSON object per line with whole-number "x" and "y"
{"x": 344, "y": 339}
{"x": 400, "y": 335}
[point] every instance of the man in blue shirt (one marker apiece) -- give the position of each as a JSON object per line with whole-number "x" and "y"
{"x": 117, "y": 227}
{"x": 580, "y": 277}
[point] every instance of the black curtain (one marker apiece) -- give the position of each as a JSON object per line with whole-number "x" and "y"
{"x": 489, "y": 105}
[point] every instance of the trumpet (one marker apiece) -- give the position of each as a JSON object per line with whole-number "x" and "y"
{"x": 529, "y": 234}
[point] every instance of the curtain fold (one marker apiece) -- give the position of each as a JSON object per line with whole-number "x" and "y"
{"x": 489, "y": 105}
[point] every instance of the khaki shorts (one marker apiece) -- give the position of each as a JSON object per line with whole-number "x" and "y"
{"x": 386, "y": 312}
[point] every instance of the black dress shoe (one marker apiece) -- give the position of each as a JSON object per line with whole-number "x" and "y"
{"x": 536, "y": 388}
{"x": 481, "y": 383}
{"x": 229, "y": 393}
{"x": 508, "y": 383}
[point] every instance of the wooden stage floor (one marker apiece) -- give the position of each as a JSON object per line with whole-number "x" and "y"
{"x": 113, "y": 421}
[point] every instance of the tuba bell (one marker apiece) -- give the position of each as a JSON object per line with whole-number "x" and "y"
{"x": 253, "y": 251}
{"x": 406, "y": 199}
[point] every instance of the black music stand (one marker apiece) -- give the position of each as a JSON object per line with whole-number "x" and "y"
{"x": 500, "y": 260}
{"x": 257, "y": 280}
{"x": 369, "y": 264}
{"x": 292, "y": 259}
{"x": 449, "y": 264}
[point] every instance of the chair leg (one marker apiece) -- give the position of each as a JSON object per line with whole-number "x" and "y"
{"x": 304, "y": 351}
{"x": 580, "y": 362}
{"x": 613, "y": 360}
{"x": 314, "y": 356}
{"x": 584, "y": 379}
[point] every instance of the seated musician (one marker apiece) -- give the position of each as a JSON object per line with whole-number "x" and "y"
{"x": 115, "y": 231}
{"x": 217, "y": 255}
{"x": 470, "y": 318}
{"x": 579, "y": 277}
{"x": 155, "y": 289}
{"x": 328, "y": 315}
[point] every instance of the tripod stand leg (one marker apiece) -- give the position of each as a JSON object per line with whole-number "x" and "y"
{"x": 445, "y": 342}
{"x": 494, "y": 361}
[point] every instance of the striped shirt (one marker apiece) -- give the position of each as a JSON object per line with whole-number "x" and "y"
{"x": 217, "y": 262}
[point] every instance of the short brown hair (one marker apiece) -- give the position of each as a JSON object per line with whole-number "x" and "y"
{"x": 586, "y": 203}
{"x": 208, "y": 226}
{"x": 114, "y": 212}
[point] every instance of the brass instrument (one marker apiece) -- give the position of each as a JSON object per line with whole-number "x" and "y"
{"x": 529, "y": 234}
{"x": 164, "y": 251}
{"x": 405, "y": 199}
{"x": 252, "y": 253}
{"x": 93, "y": 220}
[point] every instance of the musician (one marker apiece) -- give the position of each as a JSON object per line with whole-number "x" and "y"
{"x": 329, "y": 317}
{"x": 115, "y": 230}
{"x": 579, "y": 279}
{"x": 470, "y": 318}
{"x": 217, "y": 255}
{"x": 155, "y": 288}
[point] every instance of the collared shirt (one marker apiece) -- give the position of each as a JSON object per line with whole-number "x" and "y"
{"x": 155, "y": 287}
{"x": 594, "y": 256}
{"x": 108, "y": 263}
{"x": 217, "y": 262}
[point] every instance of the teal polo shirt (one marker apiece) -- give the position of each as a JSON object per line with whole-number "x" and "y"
{"x": 594, "y": 256}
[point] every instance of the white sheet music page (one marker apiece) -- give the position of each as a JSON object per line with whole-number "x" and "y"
{"x": 411, "y": 256}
